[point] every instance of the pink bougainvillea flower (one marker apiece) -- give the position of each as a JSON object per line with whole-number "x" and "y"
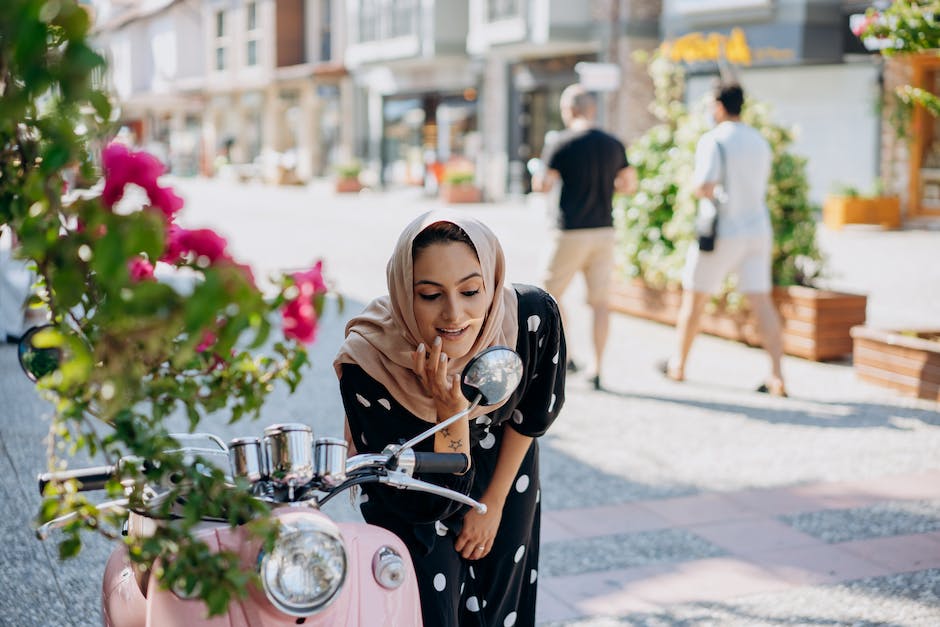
{"x": 311, "y": 280}
{"x": 299, "y": 314}
{"x": 300, "y": 320}
{"x": 140, "y": 269}
{"x": 165, "y": 199}
{"x": 200, "y": 242}
{"x": 123, "y": 166}
{"x": 204, "y": 243}
{"x": 208, "y": 340}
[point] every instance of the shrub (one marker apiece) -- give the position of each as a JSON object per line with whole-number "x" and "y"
{"x": 655, "y": 225}
{"x": 136, "y": 350}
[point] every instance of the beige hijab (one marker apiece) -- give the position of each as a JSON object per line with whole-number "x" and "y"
{"x": 382, "y": 339}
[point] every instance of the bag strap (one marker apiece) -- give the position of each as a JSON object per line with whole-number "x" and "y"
{"x": 724, "y": 167}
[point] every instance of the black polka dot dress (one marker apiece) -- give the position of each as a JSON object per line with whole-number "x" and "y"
{"x": 500, "y": 589}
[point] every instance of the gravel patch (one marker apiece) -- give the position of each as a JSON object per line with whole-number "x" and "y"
{"x": 878, "y": 521}
{"x": 905, "y": 600}
{"x": 623, "y": 551}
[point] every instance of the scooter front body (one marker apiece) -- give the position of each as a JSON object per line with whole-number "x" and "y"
{"x": 361, "y": 601}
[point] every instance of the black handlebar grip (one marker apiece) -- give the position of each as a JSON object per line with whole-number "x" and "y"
{"x": 443, "y": 463}
{"x": 88, "y": 478}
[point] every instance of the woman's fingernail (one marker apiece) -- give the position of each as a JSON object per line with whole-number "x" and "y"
{"x": 421, "y": 347}
{"x": 443, "y": 357}
{"x": 437, "y": 341}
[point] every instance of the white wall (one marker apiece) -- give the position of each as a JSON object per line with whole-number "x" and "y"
{"x": 833, "y": 110}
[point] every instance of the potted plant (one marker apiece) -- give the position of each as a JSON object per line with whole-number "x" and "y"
{"x": 848, "y": 205}
{"x": 457, "y": 184}
{"x": 347, "y": 177}
{"x": 905, "y": 360}
{"x": 655, "y": 229}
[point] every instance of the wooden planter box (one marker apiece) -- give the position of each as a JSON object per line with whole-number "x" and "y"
{"x": 816, "y": 323}
{"x": 460, "y": 193}
{"x": 348, "y": 185}
{"x": 841, "y": 210}
{"x": 908, "y": 364}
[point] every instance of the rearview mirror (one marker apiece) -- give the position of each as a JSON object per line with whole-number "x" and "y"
{"x": 492, "y": 375}
{"x": 37, "y": 357}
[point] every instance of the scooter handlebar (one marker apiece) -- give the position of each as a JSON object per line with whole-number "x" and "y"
{"x": 443, "y": 463}
{"x": 94, "y": 478}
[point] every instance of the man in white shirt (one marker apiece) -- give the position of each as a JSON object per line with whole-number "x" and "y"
{"x": 732, "y": 165}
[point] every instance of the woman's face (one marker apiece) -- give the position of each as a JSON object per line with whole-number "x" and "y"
{"x": 450, "y": 300}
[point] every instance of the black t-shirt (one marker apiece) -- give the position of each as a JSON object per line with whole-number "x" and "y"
{"x": 588, "y": 162}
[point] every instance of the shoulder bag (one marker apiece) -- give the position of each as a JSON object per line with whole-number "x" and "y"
{"x": 706, "y": 220}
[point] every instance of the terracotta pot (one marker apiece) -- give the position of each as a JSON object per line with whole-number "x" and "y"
{"x": 909, "y": 364}
{"x": 460, "y": 193}
{"x": 816, "y": 323}
{"x": 347, "y": 185}
{"x": 841, "y": 210}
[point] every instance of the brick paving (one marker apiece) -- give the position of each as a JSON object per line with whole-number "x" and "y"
{"x": 762, "y": 553}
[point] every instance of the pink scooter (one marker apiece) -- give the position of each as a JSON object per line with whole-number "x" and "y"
{"x": 320, "y": 572}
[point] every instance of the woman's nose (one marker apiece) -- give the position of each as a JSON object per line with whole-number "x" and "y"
{"x": 450, "y": 309}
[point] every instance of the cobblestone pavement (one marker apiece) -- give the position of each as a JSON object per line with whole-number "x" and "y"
{"x": 700, "y": 503}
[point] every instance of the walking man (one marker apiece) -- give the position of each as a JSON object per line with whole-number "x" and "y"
{"x": 590, "y": 165}
{"x": 735, "y": 157}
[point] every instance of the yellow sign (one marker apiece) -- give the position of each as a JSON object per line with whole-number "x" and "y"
{"x": 697, "y": 47}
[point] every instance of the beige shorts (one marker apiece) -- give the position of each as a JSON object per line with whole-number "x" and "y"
{"x": 590, "y": 251}
{"x": 750, "y": 257}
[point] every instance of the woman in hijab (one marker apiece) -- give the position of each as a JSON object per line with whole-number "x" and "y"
{"x": 399, "y": 374}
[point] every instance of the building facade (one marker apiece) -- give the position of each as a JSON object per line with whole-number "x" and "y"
{"x": 251, "y": 85}
{"x": 157, "y": 74}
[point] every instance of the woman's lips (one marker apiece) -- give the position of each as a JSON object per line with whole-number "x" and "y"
{"x": 452, "y": 334}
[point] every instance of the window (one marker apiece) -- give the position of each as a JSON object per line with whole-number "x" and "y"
{"x": 369, "y": 13}
{"x": 251, "y": 56}
{"x": 251, "y": 24}
{"x": 252, "y": 17}
{"x": 403, "y": 18}
{"x": 502, "y": 9}
{"x": 326, "y": 31}
{"x": 386, "y": 20}
{"x": 220, "y": 40}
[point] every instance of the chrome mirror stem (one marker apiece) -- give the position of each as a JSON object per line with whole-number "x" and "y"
{"x": 441, "y": 425}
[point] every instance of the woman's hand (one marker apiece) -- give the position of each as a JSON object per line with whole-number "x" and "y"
{"x": 479, "y": 530}
{"x": 443, "y": 388}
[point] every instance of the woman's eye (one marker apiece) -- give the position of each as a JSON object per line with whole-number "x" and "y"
{"x": 428, "y": 296}
{"x": 471, "y": 292}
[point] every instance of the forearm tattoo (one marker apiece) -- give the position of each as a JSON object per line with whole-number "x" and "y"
{"x": 452, "y": 444}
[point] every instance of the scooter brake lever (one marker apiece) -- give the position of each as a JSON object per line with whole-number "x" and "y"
{"x": 404, "y": 482}
{"x": 43, "y": 531}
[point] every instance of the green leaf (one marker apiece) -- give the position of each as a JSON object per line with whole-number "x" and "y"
{"x": 70, "y": 547}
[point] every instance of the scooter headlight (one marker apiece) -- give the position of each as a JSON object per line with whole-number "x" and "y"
{"x": 306, "y": 568}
